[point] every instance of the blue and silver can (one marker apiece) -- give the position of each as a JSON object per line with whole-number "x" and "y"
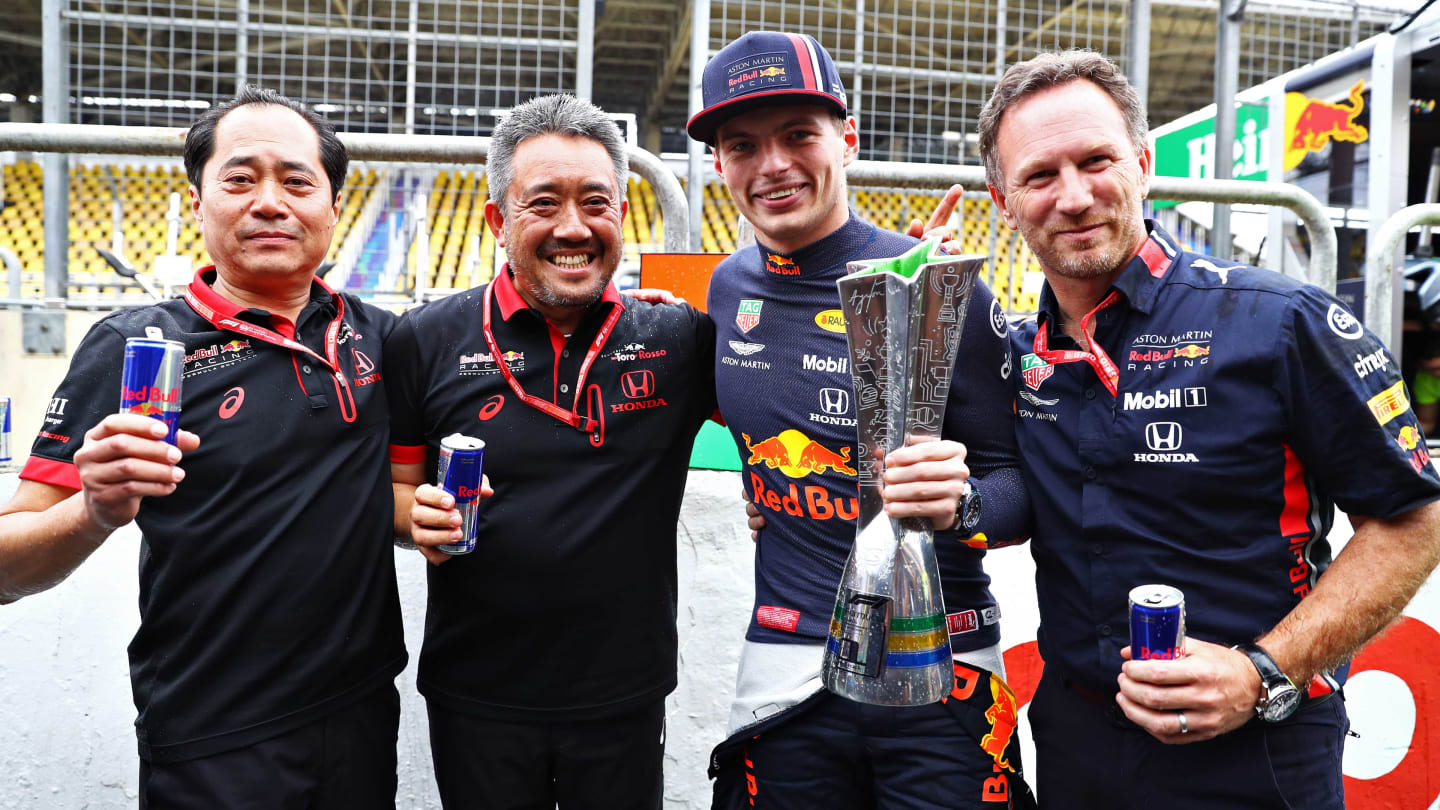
{"x": 4, "y": 430}
{"x": 1157, "y": 623}
{"x": 462, "y": 462}
{"x": 150, "y": 381}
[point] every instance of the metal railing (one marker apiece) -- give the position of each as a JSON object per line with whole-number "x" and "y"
{"x": 1324, "y": 254}
{"x": 1381, "y": 302}
{"x": 168, "y": 142}
{"x": 160, "y": 141}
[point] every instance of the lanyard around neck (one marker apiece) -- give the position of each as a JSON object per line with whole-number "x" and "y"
{"x": 1105, "y": 368}
{"x": 331, "y": 360}
{"x": 572, "y": 417}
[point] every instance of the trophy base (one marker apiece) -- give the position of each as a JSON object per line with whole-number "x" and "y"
{"x": 873, "y": 658}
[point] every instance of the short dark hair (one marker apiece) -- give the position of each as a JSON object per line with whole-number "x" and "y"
{"x": 1024, "y": 79}
{"x": 558, "y": 114}
{"x": 200, "y": 140}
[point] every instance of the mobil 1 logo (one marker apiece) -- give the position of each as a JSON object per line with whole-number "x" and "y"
{"x": 1164, "y": 399}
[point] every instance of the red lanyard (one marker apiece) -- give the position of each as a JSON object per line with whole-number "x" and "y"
{"x": 1105, "y": 368}
{"x": 331, "y": 360}
{"x": 571, "y": 417}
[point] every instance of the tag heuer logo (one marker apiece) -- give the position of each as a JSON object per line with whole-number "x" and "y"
{"x": 1035, "y": 371}
{"x": 748, "y": 314}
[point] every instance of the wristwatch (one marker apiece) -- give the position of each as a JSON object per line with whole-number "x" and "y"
{"x": 967, "y": 511}
{"x": 1278, "y": 696}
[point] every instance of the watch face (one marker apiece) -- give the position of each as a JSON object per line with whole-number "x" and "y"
{"x": 1283, "y": 703}
{"x": 970, "y": 511}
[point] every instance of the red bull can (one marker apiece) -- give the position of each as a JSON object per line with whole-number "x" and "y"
{"x": 462, "y": 461}
{"x": 150, "y": 380}
{"x": 5, "y": 430}
{"x": 1157, "y": 623}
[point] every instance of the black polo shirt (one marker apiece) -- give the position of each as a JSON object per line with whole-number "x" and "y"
{"x": 267, "y": 579}
{"x": 566, "y": 608}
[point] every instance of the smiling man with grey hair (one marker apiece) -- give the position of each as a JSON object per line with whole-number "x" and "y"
{"x": 550, "y": 648}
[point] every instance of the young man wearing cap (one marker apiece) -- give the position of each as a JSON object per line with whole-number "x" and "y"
{"x": 776, "y": 117}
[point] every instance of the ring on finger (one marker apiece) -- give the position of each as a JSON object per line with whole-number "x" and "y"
{"x": 1184, "y": 726}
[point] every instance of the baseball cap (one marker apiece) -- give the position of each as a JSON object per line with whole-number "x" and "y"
{"x": 763, "y": 68}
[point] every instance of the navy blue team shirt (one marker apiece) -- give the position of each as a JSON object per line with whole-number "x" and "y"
{"x": 1247, "y": 406}
{"x": 783, "y": 382}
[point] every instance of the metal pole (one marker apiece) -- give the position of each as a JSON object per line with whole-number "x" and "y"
{"x": 859, "y": 83}
{"x": 1380, "y": 287}
{"x": 12, "y": 270}
{"x": 410, "y": 57}
{"x": 699, "y": 54}
{"x": 1140, "y": 50}
{"x": 585, "y": 52}
{"x": 1227, "y": 80}
{"x": 242, "y": 43}
{"x": 55, "y": 85}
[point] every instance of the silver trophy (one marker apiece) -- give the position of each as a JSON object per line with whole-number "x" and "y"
{"x": 889, "y": 644}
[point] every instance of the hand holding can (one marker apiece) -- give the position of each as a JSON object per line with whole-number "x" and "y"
{"x": 1157, "y": 623}
{"x": 150, "y": 381}
{"x": 462, "y": 462}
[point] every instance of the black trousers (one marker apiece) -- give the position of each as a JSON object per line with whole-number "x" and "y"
{"x": 1088, "y": 755}
{"x": 843, "y": 755}
{"x": 610, "y": 764}
{"x": 342, "y": 761}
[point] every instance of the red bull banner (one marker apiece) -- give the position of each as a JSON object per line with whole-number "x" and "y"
{"x": 1311, "y": 124}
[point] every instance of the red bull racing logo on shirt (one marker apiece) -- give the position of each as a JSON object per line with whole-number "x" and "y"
{"x": 797, "y": 456}
{"x": 783, "y": 265}
{"x": 484, "y": 363}
{"x": 216, "y": 356}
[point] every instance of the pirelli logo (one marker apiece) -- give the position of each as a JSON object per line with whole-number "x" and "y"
{"x": 1389, "y": 403}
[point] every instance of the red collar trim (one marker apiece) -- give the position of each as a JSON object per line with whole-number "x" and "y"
{"x": 222, "y": 307}
{"x": 1156, "y": 258}
{"x": 511, "y": 301}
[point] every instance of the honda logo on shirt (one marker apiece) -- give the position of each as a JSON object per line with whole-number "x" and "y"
{"x": 835, "y": 401}
{"x": 637, "y": 384}
{"x": 1163, "y": 437}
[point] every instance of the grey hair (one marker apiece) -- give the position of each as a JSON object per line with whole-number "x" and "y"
{"x": 1024, "y": 79}
{"x": 551, "y": 115}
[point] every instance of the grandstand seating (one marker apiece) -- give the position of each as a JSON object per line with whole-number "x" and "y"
{"x": 144, "y": 192}
{"x": 461, "y": 249}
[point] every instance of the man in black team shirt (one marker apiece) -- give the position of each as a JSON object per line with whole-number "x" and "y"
{"x": 549, "y": 650}
{"x": 775, "y": 115}
{"x": 270, "y": 629}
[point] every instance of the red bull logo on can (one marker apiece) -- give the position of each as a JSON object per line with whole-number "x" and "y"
{"x": 1310, "y": 123}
